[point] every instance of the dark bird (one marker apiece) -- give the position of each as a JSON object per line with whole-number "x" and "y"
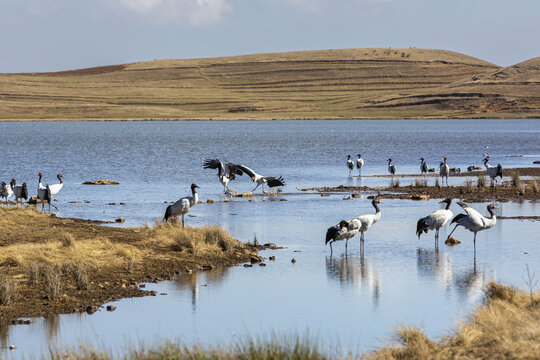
{"x": 226, "y": 171}
{"x": 182, "y": 206}
{"x": 391, "y": 168}
{"x": 20, "y": 191}
{"x": 435, "y": 220}
{"x": 261, "y": 180}
{"x": 350, "y": 164}
{"x": 423, "y": 167}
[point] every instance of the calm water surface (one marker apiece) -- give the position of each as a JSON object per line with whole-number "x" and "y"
{"x": 353, "y": 300}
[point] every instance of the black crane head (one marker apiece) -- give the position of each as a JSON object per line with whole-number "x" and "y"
{"x": 422, "y": 159}
{"x": 60, "y": 176}
{"x": 359, "y": 155}
{"x": 194, "y": 186}
{"x": 348, "y": 157}
{"x": 389, "y": 161}
{"x": 447, "y": 201}
{"x": 376, "y": 200}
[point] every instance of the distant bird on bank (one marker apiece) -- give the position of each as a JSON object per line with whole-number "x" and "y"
{"x": 436, "y": 220}
{"x": 359, "y": 164}
{"x": 391, "y": 168}
{"x": 5, "y": 191}
{"x": 343, "y": 230}
{"x": 493, "y": 171}
{"x": 423, "y": 167}
{"x": 20, "y": 191}
{"x": 473, "y": 220}
{"x": 261, "y": 180}
{"x": 444, "y": 170}
{"x": 226, "y": 171}
{"x": 350, "y": 164}
{"x": 182, "y": 206}
{"x": 44, "y": 194}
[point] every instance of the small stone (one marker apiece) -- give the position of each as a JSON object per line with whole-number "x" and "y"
{"x": 293, "y": 260}
{"x": 355, "y": 195}
{"x": 283, "y": 200}
{"x": 12, "y": 347}
{"x": 120, "y": 219}
{"x": 452, "y": 241}
{"x": 248, "y": 265}
{"x": 325, "y": 195}
{"x": 420, "y": 197}
{"x": 122, "y": 203}
{"x": 189, "y": 271}
{"x": 92, "y": 309}
{"x": 536, "y": 162}
{"x": 347, "y": 198}
{"x": 255, "y": 259}
{"x": 270, "y": 245}
{"x": 262, "y": 264}
{"x": 111, "y": 307}
{"x": 142, "y": 286}
{"x": 111, "y": 204}
{"x": 272, "y": 258}
{"x": 153, "y": 293}
{"x": 210, "y": 201}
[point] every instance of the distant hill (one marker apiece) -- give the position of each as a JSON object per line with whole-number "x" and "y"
{"x": 349, "y": 83}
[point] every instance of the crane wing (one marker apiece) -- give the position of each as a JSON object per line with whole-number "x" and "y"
{"x": 474, "y": 216}
{"x": 247, "y": 170}
{"x": 232, "y": 170}
{"x": 214, "y": 164}
{"x": 272, "y": 181}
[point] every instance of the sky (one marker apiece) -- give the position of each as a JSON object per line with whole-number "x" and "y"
{"x": 53, "y": 35}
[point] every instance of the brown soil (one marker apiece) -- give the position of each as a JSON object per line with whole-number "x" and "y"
{"x": 107, "y": 282}
{"x": 500, "y": 193}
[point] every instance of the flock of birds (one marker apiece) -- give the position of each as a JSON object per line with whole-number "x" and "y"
{"x": 344, "y": 230}
{"x": 472, "y": 220}
{"x": 45, "y": 193}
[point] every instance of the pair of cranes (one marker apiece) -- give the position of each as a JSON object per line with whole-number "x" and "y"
{"x": 44, "y": 192}
{"x": 226, "y": 172}
{"x": 472, "y": 220}
{"x": 359, "y": 164}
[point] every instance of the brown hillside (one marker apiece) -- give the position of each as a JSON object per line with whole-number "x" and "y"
{"x": 352, "y": 83}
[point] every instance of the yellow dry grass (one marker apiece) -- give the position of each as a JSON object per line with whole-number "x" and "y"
{"x": 507, "y": 327}
{"x": 349, "y": 83}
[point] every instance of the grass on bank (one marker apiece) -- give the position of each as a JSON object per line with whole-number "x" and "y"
{"x": 506, "y": 327}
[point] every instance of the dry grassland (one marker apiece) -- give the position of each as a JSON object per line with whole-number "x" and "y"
{"x": 352, "y": 83}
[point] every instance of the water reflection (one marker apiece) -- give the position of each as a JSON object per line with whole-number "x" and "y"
{"x": 470, "y": 283}
{"x": 192, "y": 282}
{"x": 354, "y": 272}
{"x": 431, "y": 264}
{"x": 52, "y": 326}
{"x": 4, "y": 335}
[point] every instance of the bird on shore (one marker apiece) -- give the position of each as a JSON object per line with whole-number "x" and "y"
{"x": 271, "y": 181}
{"x": 473, "y": 220}
{"x": 20, "y": 191}
{"x": 182, "y": 206}
{"x": 226, "y": 171}
{"x": 367, "y": 220}
{"x": 359, "y": 164}
{"x": 44, "y": 194}
{"x": 5, "y": 191}
{"x": 444, "y": 170}
{"x": 436, "y": 220}
{"x": 391, "y": 168}
{"x": 55, "y": 188}
{"x": 493, "y": 171}
{"x": 423, "y": 167}
{"x": 350, "y": 164}
{"x": 343, "y": 230}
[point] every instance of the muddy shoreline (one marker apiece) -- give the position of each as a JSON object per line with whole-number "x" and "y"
{"x": 131, "y": 257}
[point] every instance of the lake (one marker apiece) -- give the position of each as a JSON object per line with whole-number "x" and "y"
{"x": 352, "y": 301}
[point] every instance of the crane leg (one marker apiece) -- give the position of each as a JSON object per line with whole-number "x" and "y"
{"x": 182, "y": 220}
{"x": 255, "y": 188}
{"x": 452, "y": 231}
{"x": 346, "y": 243}
{"x": 474, "y": 242}
{"x": 331, "y": 250}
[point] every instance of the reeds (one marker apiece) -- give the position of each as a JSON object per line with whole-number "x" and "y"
{"x": 469, "y": 187}
{"x": 516, "y": 179}
{"x": 481, "y": 181}
{"x": 7, "y": 290}
{"x": 420, "y": 183}
{"x": 51, "y": 277}
{"x": 78, "y": 272}
{"x": 437, "y": 183}
{"x": 534, "y": 187}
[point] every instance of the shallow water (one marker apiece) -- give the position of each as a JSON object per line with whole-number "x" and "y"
{"x": 351, "y": 300}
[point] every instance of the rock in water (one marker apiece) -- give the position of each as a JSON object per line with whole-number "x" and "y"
{"x": 452, "y": 241}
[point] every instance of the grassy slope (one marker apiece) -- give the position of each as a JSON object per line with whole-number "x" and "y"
{"x": 353, "y": 83}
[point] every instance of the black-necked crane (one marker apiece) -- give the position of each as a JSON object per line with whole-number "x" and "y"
{"x": 391, "y": 168}
{"x": 350, "y": 164}
{"x": 271, "y": 181}
{"x": 474, "y": 221}
{"x": 359, "y": 164}
{"x": 226, "y": 171}
{"x": 343, "y": 230}
{"x": 20, "y": 191}
{"x": 435, "y": 221}
{"x": 44, "y": 194}
{"x": 444, "y": 170}
{"x": 182, "y": 206}
{"x": 367, "y": 220}
{"x": 423, "y": 166}
{"x": 493, "y": 171}
{"x": 5, "y": 191}
{"x": 55, "y": 188}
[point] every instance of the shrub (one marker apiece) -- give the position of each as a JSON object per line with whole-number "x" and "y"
{"x": 481, "y": 182}
{"x": 7, "y": 290}
{"x": 516, "y": 179}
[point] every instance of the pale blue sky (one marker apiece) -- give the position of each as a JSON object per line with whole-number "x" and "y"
{"x": 50, "y": 35}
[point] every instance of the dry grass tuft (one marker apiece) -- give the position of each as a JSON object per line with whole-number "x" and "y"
{"x": 469, "y": 187}
{"x": 534, "y": 187}
{"x": 522, "y": 189}
{"x": 7, "y": 290}
{"x": 507, "y": 327}
{"x": 67, "y": 239}
{"x": 481, "y": 182}
{"x": 516, "y": 179}
{"x": 437, "y": 183}
{"x": 78, "y": 272}
{"x": 420, "y": 183}
{"x": 51, "y": 276}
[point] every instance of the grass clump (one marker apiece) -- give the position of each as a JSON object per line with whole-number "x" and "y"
{"x": 534, "y": 187}
{"x": 420, "y": 183}
{"x": 522, "y": 189}
{"x": 7, "y": 290}
{"x": 469, "y": 187}
{"x": 506, "y": 327}
{"x": 516, "y": 179}
{"x": 437, "y": 183}
{"x": 51, "y": 276}
{"x": 481, "y": 182}
{"x": 78, "y": 272}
